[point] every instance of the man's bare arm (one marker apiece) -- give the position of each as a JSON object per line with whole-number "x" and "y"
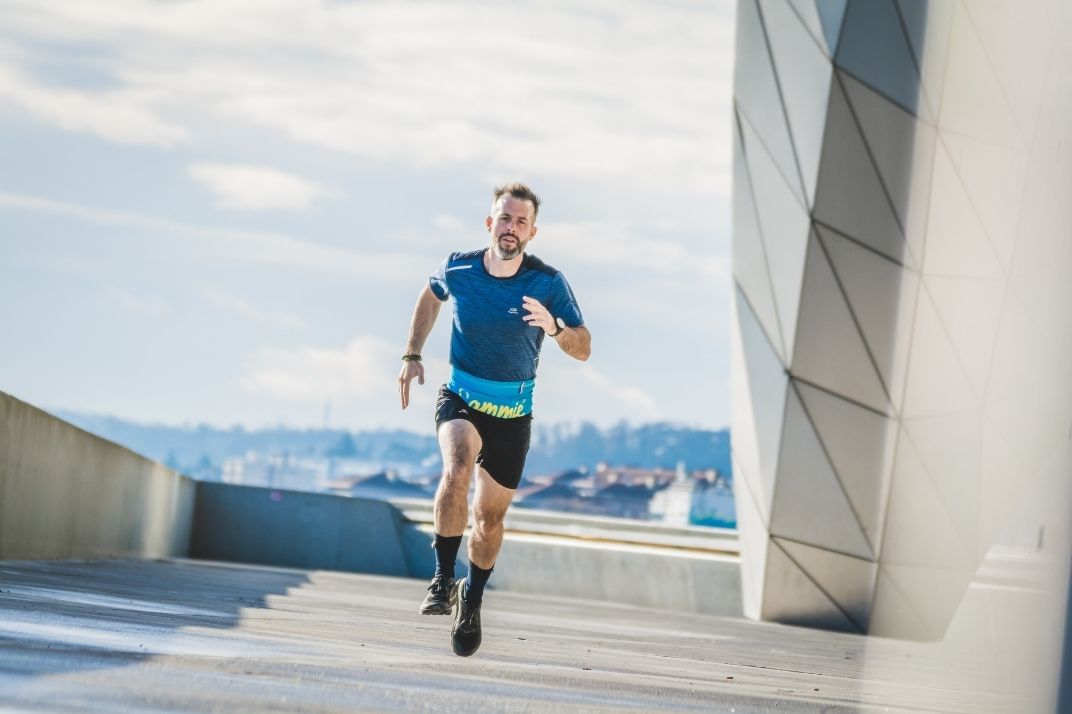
{"x": 575, "y": 341}
{"x": 424, "y": 317}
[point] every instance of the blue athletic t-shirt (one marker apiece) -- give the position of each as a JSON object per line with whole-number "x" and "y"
{"x": 489, "y": 339}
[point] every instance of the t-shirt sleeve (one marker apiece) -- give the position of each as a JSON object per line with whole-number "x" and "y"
{"x": 564, "y": 304}
{"x": 438, "y": 280}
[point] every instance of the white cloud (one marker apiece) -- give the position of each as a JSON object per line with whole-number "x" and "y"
{"x": 628, "y": 101}
{"x": 124, "y": 116}
{"x": 365, "y": 371}
{"x": 144, "y": 305}
{"x": 235, "y": 245}
{"x": 449, "y": 223}
{"x": 571, "y": 391}
{"x": 236, "y": 304}
{"x": 255, "y": 187}
{"x": 618, "y": 246}
{"x": 635, "y": 93}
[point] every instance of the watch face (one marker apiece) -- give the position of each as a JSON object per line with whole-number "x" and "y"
{"x": 561, "y": 323}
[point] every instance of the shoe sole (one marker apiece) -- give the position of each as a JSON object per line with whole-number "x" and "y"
{"x": 455, "y": 599}
{"x": 436, "y": 609}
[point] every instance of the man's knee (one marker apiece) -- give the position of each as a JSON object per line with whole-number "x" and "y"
{"x": 488, "y": 520}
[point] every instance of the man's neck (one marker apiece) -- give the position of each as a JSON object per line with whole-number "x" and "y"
{"x": 499, "y": 268}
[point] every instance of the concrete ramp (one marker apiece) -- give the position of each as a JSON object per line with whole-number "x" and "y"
{"x": 181, "y": 635}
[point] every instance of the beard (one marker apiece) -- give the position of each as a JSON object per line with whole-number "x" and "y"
{"x": 507, "y": 253}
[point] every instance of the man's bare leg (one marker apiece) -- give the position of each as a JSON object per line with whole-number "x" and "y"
{"x": 489, "y": 510}
{"x": 459, "y": 444}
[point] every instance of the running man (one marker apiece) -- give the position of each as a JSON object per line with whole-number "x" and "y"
{"x": 505, "y": 302}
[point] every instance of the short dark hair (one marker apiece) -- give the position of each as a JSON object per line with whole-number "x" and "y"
{"x": 519, "y": 191}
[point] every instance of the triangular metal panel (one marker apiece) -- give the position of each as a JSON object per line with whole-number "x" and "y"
{"x": 755, "y": 89}
{"x": 903, "y": 151}
{"x": 831, "y": 15}
{"x": 1025, "y": 363}
{"x": 749, "y": 255}
{"x": 784, "y": 227}
{"x": 860, "y": 446}
{"x": 829, "y": 350}
{"x": 997, "y": 491}
{"x": 893, "y": 614}
{"x": 850, "y": 197}
{"x": 957, "y": 244}
{"x": 809, "y": 15}
{"x": 882, "y": 297}
{"x": 936, "y": 383}
{"x": 914, "y": 16}
{"x": 973, "y": 103}
{"x": 873, "y": 47}
{"x": 804, "y": 75}
{"x": 928, "y": 25}
{"x": 759, "y": 389}
{"x": 754, "y": 542}
{"x": 933, "y": 593}
{"x": 848, "y": 582}
{"x": 807, "y": 487}
{"x": 970, "y": 310}
{"x": 1016, "y": 56}
{"x": 949, "y": 447}
{"x": 791, "y": 597}
{"x": 994, "y": 179}
{"x": 919, "y": 530}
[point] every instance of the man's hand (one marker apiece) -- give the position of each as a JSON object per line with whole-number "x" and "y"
{"x": 574, "y": 341}
{"x": 410, "y": 369}
{"x": 538, "y": 315}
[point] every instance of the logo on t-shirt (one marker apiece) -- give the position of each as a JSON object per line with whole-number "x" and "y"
{"x": 512, "y": 311}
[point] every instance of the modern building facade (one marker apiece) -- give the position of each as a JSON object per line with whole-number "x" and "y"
{"x": 903, "y": 343}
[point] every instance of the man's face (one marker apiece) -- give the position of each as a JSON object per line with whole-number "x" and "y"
{"x": 512, "y": 224}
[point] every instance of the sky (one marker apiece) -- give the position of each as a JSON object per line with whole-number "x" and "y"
{"x": 222, "y": 211}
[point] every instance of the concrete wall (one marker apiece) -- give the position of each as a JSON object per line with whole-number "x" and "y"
{"x": 306, "y": 530}
{"x": 661, "y": 578}
{"x": 608, "y": 559}
{"x": 65, "y": 493}
{"x": 299, "y": 530}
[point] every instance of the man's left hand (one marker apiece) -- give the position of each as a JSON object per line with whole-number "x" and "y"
{"x": 538, "y": 315}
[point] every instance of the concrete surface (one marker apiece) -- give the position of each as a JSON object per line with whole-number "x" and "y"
{"x": 67, "y": 493}
{"x": 670, "y": 569}
{"x": 265, "y": 526}
{"x": 607, "y": 559}
{"x": 195, "y": 636}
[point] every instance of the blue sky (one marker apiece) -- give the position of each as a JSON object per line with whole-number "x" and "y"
{"x": 222, "y": 211}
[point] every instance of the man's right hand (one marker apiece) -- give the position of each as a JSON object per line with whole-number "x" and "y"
{"x": 410, "y": 369}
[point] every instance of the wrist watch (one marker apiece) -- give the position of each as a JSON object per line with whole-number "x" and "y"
{"x": 561, "y": 326}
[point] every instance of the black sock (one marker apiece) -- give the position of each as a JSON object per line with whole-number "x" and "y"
{"x": 478, "y": 578}
{"x": 446, "y": 552}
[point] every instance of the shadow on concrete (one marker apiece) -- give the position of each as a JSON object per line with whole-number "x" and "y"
{"x": 64, "y": 616}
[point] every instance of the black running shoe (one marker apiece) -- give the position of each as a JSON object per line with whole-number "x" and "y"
{"x": 465, "y": 632}
{"x": 438, "y": 599}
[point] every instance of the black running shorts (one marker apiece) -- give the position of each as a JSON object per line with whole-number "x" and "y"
{"x": 504, "y": 442}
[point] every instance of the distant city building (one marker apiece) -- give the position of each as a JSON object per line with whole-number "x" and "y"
{"x": 673, "y": 505}
{"x": 275, "y": 471}
{"x": 675, "y": 497}
{"x": 384, "y": 486}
